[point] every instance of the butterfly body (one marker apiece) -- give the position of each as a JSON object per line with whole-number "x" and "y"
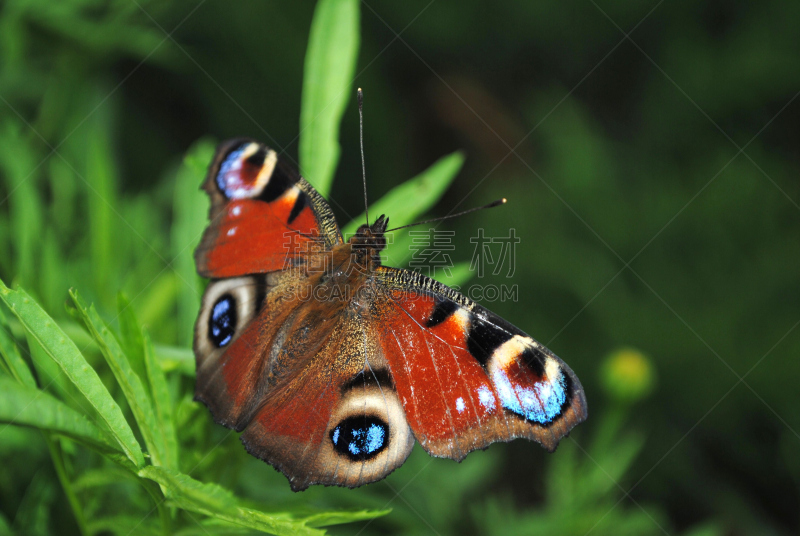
{"x": 332, "y": 364}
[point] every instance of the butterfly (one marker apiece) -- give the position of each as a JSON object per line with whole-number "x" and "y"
{"x": 333, "y": 365}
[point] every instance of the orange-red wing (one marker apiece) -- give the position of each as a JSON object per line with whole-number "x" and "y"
{"x": 302, "y": 378}
{"x": 264, "y": 217}
{"x": 337, "y": 420}
{"x": 466, "y": 378}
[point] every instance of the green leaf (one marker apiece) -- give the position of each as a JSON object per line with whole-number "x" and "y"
{"x": 327, "y": 87}
{"x": 33, "y": 513}
{"x": 64, "y": 352}
{"x": 158, "y": 301}
{"x": 324, "y": 519}
{"x": 124, "y": 525}
{"x": 101, "y": 177}
{"x": 8, "y": 349}
{"x": 22, "y": 405}
{"x": 127, "y": 379}
{"x": 130, "y": 334}
{"x": 178, "y": 359}
{"x": 214, "y": 501}
{"x": 183, "y": 488}
{"x": 19, "y": 166}
{"x": 52, "y": 379}
{"x": 162, "y": 402}
{"x": 190, "y": 208}
{"x": 406, "y": 202}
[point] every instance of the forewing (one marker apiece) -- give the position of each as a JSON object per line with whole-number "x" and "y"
{"x": 467, "y": 378}
{"x": 263, "y": 216}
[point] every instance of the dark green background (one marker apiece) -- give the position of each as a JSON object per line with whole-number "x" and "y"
{"x": 654, "y": 185}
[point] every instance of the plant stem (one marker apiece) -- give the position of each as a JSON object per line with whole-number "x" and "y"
{"x": 58, "y": 462}
{"x": 158, "y": 498}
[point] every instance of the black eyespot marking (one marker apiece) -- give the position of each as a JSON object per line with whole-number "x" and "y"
{"x": 279, "y": 182}
{"x": 441, "y": 312}
{"x": 484, "y": 339}
{"x": 222, "y": 321}
{"x": 298, "y": 207}
{"x": 257, "y": 158}
{"x": 534, "y": 358}
{"x": 360, "y": 438}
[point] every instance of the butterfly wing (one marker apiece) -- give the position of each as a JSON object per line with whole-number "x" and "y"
{"x": 334, "y": 391}
{"x": 338, "y": 420}
{"x": 465, "y": 376}
{"x": 299, "y": 375}
{"x": 263, "y": 215}
{"x": 264, "y": 218}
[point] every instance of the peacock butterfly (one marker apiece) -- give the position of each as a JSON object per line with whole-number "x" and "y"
{"x": 331, "y": 364}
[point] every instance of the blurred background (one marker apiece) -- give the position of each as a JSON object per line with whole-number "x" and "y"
{"x": 649, "y": 153}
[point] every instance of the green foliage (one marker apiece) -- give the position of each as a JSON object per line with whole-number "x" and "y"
{"x": 103, "y": 146}
{"x": 69, "y": 359}
{"x": 29, "y": 406}
{"x": 327, "y": 88}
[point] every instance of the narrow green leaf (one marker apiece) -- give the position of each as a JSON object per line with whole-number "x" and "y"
{"x": 406, "y": 202}
{"x": 22, "y": 405}
{"x": 13, "y": 359}
{"x": 33, "y": 513}
{"x": 183, "y": 487}
{"x": 131, "y": 384}
{"x": 173, "y": 358}
{"x": 158, "y": 302}
{"x": 327, "y": 87}
{"x": 162, "y": 402}
{"x": 101, "y": 192}
{"x": 64, "y": 352}
{"x": 52, "y": 278}
{"x": 130, "y": 335}
{"x": 324, "y": 519}
{"x": 124, "y": 525}
{"x": 52, "y": 378}
{"x": 215, "y": 501}
{"x": 190, "y": 208}
{"x": 19, "y": 163}
{"x": 101, "y": 477}
{"x": 213, "y": 527}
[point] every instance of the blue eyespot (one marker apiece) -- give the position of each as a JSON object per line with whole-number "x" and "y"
{"x": 222, "y": 324}
{"x": 360, "y": 438}
{"x": 541, "y": 402}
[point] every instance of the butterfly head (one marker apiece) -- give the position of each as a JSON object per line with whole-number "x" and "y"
{"x": 369, "y": 240}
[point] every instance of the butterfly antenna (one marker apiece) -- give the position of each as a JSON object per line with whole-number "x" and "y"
{"x": 361, "y": 138}
{"x": 490, "y": 205}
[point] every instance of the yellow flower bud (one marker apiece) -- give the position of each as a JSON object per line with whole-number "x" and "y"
{"x": 627, "y": 375}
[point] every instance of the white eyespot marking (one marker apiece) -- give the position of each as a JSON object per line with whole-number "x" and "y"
{"x": 539, "y": 401}
{"x": 460, "y": 404}
{"x": 236, "y": 210}
{"x": 290, "y": 196}
{"x": 461, "y": 317}
{"x": 486, "y": 398}
{"x": 231, "y": 231}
